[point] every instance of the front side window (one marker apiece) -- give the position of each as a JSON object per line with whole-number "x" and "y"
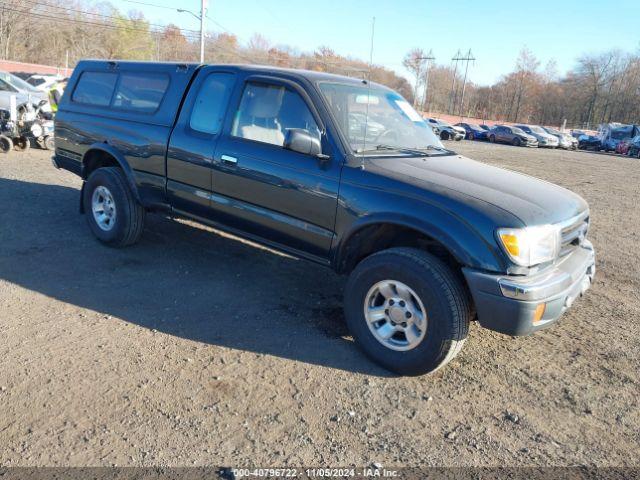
{"x": 141, "y": 92}
{"x": 267, "y": 111}
{"x": 376, "y": 118}
{"x": 211, "y": 103}
{"x": 95, "y": 88}
{"x": 5, "y": 87}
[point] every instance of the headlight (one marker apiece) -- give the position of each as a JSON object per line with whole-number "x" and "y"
{"x": 531, "y": 246}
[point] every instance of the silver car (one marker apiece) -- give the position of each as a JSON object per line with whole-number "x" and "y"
{"x": 544, "y": 139}
{"x": 566, "y": 141}
{"x": 10, "y": 85}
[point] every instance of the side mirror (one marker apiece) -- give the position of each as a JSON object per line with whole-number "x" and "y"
{"x": 301, "y": 141}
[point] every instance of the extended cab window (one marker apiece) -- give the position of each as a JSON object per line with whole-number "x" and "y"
{"x": 141, "y": 92}
{"x": 211, "y": 103}
{"x": 267, "y": 111}
{"x": 95, "y": 88}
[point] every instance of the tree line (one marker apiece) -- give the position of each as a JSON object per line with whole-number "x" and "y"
{"x": 600, "y": 88}
{"x": 52, "y": 32}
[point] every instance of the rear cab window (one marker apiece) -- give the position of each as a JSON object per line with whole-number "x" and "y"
{"x": 95, "y": 88}
{"x": 139, "y": 92}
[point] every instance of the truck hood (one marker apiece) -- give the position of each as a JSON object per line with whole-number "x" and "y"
{"x": 533, "y": 201}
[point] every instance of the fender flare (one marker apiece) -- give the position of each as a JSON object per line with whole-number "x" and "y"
{"x": 480, "y": 256}
{"x": 119, "y": 158}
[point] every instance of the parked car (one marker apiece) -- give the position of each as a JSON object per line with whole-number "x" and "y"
{"x": 359, "y": 123}
{"x": 43, "y": 83}
{"x": 565, "y": 140}
{"x": 544, "y": 139}
{"x": 25, "y": 93}
{"x": 634, "y": 147}
{"x": 589, "y": 142}
{"x": 447, "y": 131}
{"x": 430, "y": 239}
{"x": 473, "y": 131}
{"x": 614, "y": 133}
{"x": 623, "y": 146}
{"x": 511, "y": 135}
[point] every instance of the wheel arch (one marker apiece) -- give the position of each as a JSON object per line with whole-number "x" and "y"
{"x": 391, "y": 230}
{"x": 104, "y": 155}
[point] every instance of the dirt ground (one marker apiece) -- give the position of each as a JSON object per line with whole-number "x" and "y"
{"x": 192, "y": 348}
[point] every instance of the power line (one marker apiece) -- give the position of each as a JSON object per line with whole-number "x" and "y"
{"x": 176, "y": 9}
{"x": 110, "y": 17}
{"x": 85, "y": 22}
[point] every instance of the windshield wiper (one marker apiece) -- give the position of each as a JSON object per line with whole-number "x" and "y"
{"x": 422, "y": 151}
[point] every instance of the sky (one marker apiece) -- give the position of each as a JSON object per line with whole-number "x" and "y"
{"x": 494, "y": 30}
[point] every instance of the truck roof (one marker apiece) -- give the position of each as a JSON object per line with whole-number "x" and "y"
{"x": 311, "y": 75}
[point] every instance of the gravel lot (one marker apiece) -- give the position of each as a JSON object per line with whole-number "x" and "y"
{"x": 193, "y": 348}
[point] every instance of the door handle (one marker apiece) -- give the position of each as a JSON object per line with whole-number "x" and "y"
{"x": 228, "y": 159}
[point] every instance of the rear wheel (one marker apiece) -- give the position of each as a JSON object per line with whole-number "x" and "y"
{"x": 6, "y": 145}
{"x": 49, "y": 142}
{"x": 444, "y": 136}
{"x": 516, "y": 142}
{"x": 471, "y": 136}
{"x": 492, "y": 138}
{"x": 113, "y": 214}
{"x": 407, "y": 310}
{"x": 21, "y": 144}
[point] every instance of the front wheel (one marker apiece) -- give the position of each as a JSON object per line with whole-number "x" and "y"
{"x": 6, "y": 145}
{"x": 492, "y": 139}
{"x": 471, "y": 136}
{"x": 113, "y": 214}
{"x": 407, "y": 310}
{"x": 516, "y": 142}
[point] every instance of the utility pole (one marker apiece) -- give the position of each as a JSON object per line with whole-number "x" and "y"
{"x": 468, "y": 58}
{"x": 429, "y": 58}
{"x": 455, "y": 59}
{"x": 203, "y": 12}
{"x": 201, "y": 17}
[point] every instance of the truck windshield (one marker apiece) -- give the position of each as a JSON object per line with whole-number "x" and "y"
{"x": 377, "y": 119}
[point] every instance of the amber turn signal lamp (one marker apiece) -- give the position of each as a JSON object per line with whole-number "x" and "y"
{"x": 539, "y": 312}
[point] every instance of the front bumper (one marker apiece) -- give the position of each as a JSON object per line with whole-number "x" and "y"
{"x": 510, "y": 304}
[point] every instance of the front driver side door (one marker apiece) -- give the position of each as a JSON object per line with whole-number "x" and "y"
{"x": 261, "y": 188}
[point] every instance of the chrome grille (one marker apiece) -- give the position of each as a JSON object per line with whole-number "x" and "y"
{"x": 573, "y": 232}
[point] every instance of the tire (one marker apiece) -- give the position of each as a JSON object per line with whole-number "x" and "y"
{"x": 471, "y": 136}
{"x": 446, "y": 304}
{"x": 21, "y": 144}
{"x": 444, "y": 136}
{"x": 6, "y": 145}
{"x": 492, "y": 138}
{"x": 108, "y": 187}
{"x": 49, "y": 142}
{"x": 516, "y": 142}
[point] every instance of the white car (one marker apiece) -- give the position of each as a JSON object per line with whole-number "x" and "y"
{"x": 446, "y": 131}
{"x": 10, "y": 85}
{"x": 566, "y": 141}
{"x": 43, "y": 82}
{"x": 544, "y": 139}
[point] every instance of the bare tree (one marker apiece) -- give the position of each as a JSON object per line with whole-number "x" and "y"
{"x": 414, "y": 62}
